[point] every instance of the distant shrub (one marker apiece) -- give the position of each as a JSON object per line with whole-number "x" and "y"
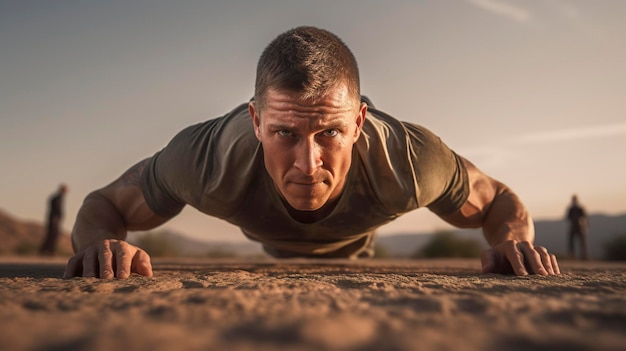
{"x": 446, "y": 244}
{"x": 380, "y": 251}
{"x": 157, "y": 244}
{"x": 615, "y": 249}
{"x": 25, "y": 248}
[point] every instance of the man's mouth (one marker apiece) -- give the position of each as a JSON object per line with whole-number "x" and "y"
{"x": 309, "y": 186}
{"x": 307, "y": 183}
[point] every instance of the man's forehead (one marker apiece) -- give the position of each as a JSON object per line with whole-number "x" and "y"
{"x": 336, "y": 101}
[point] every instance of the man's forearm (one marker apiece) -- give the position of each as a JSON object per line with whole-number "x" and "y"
{"x": 506, "y": 219}
{"x": 97, "y": 219}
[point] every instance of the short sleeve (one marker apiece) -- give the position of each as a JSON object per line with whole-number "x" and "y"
{"x": 165, "y": 177}
{"x": 159, "y": 196}
{"x": 441, "y": 177}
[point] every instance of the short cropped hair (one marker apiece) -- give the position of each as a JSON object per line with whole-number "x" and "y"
{"x": 306, "y": 60}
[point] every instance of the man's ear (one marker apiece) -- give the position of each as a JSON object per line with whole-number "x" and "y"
{"x": 360, "y": 120}
{"x": 256, "y": 119}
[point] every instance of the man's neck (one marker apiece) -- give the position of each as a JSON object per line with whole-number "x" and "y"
{"x": 311, "y": 216}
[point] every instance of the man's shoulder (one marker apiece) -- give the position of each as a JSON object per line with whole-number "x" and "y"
{"x": 208, "y": 146}
{"x": 384, "y": 129}
{"x": 238, "y": 118}
{"x": 234, "y": 126}
{"x": 380, "y": 118}
{"x": 208, "y": 165}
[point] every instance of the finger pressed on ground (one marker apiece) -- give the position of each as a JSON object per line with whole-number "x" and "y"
{"x": 516, "y": 258}
{"x": 545, "y": 259}
{"x": 105, "y": 259}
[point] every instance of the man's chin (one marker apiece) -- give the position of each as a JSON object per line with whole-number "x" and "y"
{"x": 306, "y": 205}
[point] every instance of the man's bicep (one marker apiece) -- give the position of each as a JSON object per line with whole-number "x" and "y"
{"x": 127, "y": 196}
{"x": 482, "y": 191}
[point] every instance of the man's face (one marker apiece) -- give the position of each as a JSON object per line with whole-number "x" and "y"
{"x": 307, "y": 146}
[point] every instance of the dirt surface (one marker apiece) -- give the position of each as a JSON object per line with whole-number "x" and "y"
{"x": 313, "y": 305}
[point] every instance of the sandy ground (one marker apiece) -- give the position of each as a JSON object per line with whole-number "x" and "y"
{"x": 313, "y": 305}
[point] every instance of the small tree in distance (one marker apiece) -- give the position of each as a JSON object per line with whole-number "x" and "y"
{"x": 615, "y": 249}
{"x": 380, "y": 251}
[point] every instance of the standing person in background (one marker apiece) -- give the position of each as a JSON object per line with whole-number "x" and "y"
{"x": 53, "y": 224}
{"x": 579, "y": 223}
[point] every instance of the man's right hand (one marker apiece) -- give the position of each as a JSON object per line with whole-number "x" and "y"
{"x": 108, "y": 259}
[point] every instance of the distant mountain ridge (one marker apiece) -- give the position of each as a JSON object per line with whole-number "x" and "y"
{"x": 21, "y": 237}
{"x": 549, "y": 233}
{"x": 24, "y": 237}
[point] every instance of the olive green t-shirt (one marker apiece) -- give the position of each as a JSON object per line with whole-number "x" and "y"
{"x": 217, "y": 167}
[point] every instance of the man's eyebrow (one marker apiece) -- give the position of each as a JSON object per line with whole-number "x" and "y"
{"x": 336, "y": 124}
{"x": 279, "y": 125}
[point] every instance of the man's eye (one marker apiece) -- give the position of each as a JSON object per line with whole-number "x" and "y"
{"x": 284, "y": 133}
{"x": 331, "y": 132}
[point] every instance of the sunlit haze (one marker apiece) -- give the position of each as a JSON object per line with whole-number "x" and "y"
{"x": 533, "y": 92}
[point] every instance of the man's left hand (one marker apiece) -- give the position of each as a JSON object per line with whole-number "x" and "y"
{"x": 519, "y": 257}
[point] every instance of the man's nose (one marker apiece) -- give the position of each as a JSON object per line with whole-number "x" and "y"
{"x": 308, "y": 158}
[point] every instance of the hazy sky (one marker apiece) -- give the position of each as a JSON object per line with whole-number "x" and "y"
{"x": 533, "y": 92}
